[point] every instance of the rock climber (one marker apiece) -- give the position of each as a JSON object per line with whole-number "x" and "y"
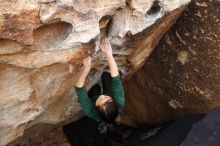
{"x": 103, "y": 104}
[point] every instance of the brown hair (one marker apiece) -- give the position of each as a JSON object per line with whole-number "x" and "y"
{"x": 109, "y": 111}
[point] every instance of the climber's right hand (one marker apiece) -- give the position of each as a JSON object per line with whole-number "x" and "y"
{"x": 106, "y": 46}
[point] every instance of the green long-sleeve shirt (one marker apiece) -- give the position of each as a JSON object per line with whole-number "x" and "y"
{"x": 89, "y": 107}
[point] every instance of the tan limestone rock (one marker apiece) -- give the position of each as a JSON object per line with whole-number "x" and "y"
{"x": 18, "y": 19}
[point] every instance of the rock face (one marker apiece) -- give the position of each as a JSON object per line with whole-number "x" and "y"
{"x": 182, "y": 75}
{"x": 43, "y": 43}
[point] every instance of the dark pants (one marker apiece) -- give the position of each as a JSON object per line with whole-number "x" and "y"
{"x": 95, "y": 91}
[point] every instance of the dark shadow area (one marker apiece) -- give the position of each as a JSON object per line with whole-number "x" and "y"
{"x": 155, "y": 8}
{"x": 205, "y": 131}
{"x": 181, "y": 76}
{"x": 84, "y": 132}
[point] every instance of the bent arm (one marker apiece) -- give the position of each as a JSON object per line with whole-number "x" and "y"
{"x": 88, "y": 107}
{"x": 85, "y": 102}
{"x": 82, "y": 94}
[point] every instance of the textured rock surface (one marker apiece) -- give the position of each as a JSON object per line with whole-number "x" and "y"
{"x": 42, "y": 44}
{"x": 182, "y": 75}
{"x": 154, "y": 100}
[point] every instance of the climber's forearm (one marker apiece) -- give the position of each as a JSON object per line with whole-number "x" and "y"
{"x": 112, "y": 65}
{"x": 80, "y": 82}
{"x": 86, "y": 68}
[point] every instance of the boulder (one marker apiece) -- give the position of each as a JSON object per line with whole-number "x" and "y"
{"x": 181, "y": 77}
{"x": 43, "y": 43}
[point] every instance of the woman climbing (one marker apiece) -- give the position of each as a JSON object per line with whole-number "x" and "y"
{"x": 102, "y": 106}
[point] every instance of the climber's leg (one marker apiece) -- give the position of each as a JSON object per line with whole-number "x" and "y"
{"x": 106, "y": 83}
{"x": 94, "y": 92}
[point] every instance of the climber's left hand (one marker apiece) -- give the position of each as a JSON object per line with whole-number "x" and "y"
{"x": 87, "y": 65}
